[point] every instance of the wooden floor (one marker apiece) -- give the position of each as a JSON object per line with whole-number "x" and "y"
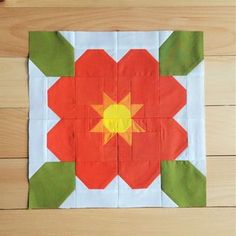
{"x": 216, "y": 18}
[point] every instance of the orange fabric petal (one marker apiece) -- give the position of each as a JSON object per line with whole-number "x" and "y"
{"x": 139, "y": 173}
{"x": 60, "y": 140}
{"x": 61, "y": 98}
{"x": 96, "y": 175}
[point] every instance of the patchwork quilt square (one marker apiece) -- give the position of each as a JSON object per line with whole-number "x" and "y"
{"x": 116, "y": 119}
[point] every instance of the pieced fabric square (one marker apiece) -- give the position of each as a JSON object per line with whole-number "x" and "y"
{"x": 116, "y": 119}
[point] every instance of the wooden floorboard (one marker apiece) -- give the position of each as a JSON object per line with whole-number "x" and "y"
{"x": 220, "y": 80}
{"x": 218, "y": 24}
{"x": 13, "y": 133}
{"x": 220, "y": 130}
{"x": 176, "y": 222}
{"x": 116, "y": 3}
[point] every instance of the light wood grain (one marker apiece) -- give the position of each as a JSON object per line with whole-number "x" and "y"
{"x": 13, "y": 132}
{"x": 177, "y": 222}
{"x": 220, "y": 131}
{"x": 13, "y": 82}
{"x": 115, "y": 3}
{"x": 221, "y": 189}
{"x": 13, "y": 183}
{"x": 220, "y": 80}
{"x": 221, "y": 177}
{"x": 14, "y": 89}
{"x": 218, "y": 23}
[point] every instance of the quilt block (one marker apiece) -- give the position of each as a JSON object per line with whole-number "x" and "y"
{"x": 116, "y": 119}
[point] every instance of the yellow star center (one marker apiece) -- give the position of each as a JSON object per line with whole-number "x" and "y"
{"x": 117, "y": 118}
